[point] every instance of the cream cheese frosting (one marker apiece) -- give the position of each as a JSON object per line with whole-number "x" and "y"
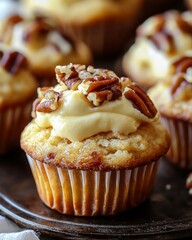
{"x": 160, "y": 39}
{"x": 38, "y": 48}
{"x": 174, "y": 95}
{"x": 77, "y": 117}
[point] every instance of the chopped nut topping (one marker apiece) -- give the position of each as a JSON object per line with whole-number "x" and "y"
{"x": 163, "y": 33}
{"x": 49, "y": 103}
{"x": 182, "y": 73}
{"x": 14, "y": 19}
{"x": 69, "y": 76}
{"x": 98, "y": 85}
{"x": 140, "y": 100}
{"x": 12, "y": 62}
{"x": 38, "y": 27}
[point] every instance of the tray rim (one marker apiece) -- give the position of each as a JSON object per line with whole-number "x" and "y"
{"x": 69, "y": 227}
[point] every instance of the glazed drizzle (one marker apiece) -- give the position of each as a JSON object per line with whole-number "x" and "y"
{"x": 181, "y": 67}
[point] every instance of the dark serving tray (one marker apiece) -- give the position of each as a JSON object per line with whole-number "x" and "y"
{"x": 166, "y": 215}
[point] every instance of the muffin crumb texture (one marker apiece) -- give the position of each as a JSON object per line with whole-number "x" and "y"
{"x": 104, "y": 151}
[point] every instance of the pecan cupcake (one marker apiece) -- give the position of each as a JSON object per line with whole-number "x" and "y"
{"x": 17, "y": 92}
{"x": 104, "y": 25}
{"x": 94, "y": 143}
{"x": 44, "y": 43}
{"x": 189, "y": 4}
{"x": 159, "y": 40}
{"x": 173, "y": 98}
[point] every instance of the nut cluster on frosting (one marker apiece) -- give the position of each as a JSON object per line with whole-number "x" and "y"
{"x": 37, "y": 28}
{"x": 97, "y": 85}
{"x": 164, "y": 31}
{"x": 182, "y": 75}
{"x": 12, "y": 61}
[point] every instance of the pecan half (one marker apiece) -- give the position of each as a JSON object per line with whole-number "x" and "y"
{"x": 182, "y": 64}
{"x": 12, "y": 62}
{"x": 38, "y": 27}
{"x": 140, "y": 101}
{"x": 14, "y": 19}
{"x": 184, "y": 26}
{"x": 181, "y": 75}
{"x": 102, "y": 89}
{"x": 49, "y": 103}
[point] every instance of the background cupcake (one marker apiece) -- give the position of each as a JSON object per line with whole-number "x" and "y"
{"x": 189, "y": 4}
{"x": 17, "y": 92}
{"x": 44, "y": 43}
{"x": 159, "y": 40}
{"x": 94, "y": 143}
{"x": 104, "y": 25}
{"x": 173, "y": 99}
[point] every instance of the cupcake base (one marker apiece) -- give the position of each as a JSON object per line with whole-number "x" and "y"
{"x": 91, "y": 193}
{"x": 180, "y": 151}
{"x": 12, "y": 122}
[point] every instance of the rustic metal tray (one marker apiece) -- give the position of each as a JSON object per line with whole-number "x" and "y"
{"x": 167, "y": 214}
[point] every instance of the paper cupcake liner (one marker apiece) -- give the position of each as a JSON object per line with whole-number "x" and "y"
{"x": 90, "y": 193}
{"x": 103, "y": 38}
{"x": 12, "y": 122}
{"x": 180, "y": 151}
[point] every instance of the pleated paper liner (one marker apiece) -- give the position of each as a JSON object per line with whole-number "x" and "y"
{"x": 91, "y": 193}
{"x": 180, "y": 152}
{"x": 12, "y": 122}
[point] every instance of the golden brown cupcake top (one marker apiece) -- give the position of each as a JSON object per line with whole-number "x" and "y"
{"x": 16, "y": 82}
{"x": 173, "y": 96}
{"x": 89, "y": 101}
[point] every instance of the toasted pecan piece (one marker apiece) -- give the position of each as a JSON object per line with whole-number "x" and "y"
{"x": 12, "y": 62}
{"x": 49, "y": 103}
{"x": 140, "y": 101}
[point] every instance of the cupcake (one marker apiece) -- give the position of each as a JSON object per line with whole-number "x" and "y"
{"x": 104, "y": 25}
{"x": 159, "y": 40}
{"x": 173, "y": 98}
{"x": 17, "y": 92}
{"x": 189, "y": 4}
{"x": 94, "y": 143}
{"x": 189, "y": 183}
{"x": 44, "y": 44}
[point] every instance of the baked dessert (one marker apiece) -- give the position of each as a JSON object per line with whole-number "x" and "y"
{"x": 189, "y": 183}
{"x": 44, "y": 43}
{"x": 189, "y": 4}
{"x": 17, "y": 92}
{"x": 104, "y": 25}
{"x": 94, "y": 143}
{"x": 159, "y": 40}
{"x": 173, "y": 99}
